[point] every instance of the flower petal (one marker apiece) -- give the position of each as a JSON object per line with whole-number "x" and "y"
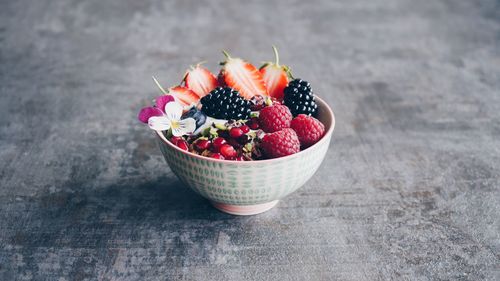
{"x": 148, "y": 112}
{"x": 161, "y": 101}
{"x": 159, "y": 123}
{"x": 173, "y": 110}
{"x": 184, "y": 126}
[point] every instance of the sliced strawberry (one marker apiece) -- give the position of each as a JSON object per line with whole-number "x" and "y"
{"x": 243, "y": 77}
{"x": 183, "y": 95}
{"x": 275, "y": 76}
{"x": 200, "y": 80}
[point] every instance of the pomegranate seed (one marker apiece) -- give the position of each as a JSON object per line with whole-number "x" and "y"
{"x": 202, "y": 145}
{"x": 217, "y": 143}
{"x": 175, "y": 139}
{"x": 253, "y": 123}
{"x": 243, "y": 139}
{"x": 254, "y": 126}
{"x": 217, "y": 156}
{"x": 245, "y": 129}
{"x": 227, "y": 151}
{"x": 182, "y": 144}
{"x": 234, "y": 142}
{"x": 236, "y": 132}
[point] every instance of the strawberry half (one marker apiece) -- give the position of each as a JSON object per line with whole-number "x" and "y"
{"x": 182, "y": 95}
{"x": 275, "y": 76}
{"x": 243, "y": 77}
{"x": 200, "y": 80}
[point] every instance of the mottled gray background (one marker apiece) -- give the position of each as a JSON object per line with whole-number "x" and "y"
{"x": 409, "y": 189}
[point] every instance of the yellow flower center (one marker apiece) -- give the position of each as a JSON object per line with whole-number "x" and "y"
{"x": 175, "y": 124}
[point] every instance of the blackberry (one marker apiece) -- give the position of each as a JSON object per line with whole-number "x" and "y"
{"x": 225, "y": 103}
{"x": 299, "y": 98}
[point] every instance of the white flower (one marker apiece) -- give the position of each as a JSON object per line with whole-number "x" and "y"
{"x": 172, "y": 120}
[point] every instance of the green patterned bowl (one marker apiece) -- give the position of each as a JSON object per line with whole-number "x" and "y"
{"x": 248, "y": 187}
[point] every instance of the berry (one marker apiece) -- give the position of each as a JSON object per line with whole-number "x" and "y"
{"x": 299, "y": 98}
{"x": 182, "y": 144}
{"x": 225, "y": 103}
{"x": 275, "y": 76}
{"x": 181, "y": 94}
{"x": 234, "y": 142}
{"x": 197, "y": 115}
{"x": 200, "y": 80}
{"x": 245, "y": 129}
{"x": 228, "y": 151}
{"x": 236, "y": 132}
{"x": 309, "y": 129}
{"x": 202, "y": 144}
{"x": 217, "y": 156}
{"x": 242, "y": 76}
{"x": 280, "y": 143}
{"x": 243, "y": 140}
{"x": 253, "y": 123}
{"x": 217, "y": 143}
{"x": 175, "y": 139}
{"x": 274, "y": 118}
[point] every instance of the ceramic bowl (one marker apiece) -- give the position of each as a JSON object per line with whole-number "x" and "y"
{"x": 249, "y": 187}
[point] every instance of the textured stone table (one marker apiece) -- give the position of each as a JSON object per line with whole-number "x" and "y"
{"x": 409, "y": 189}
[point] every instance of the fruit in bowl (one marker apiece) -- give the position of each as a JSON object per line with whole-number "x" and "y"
{"x": 244, "y": 140}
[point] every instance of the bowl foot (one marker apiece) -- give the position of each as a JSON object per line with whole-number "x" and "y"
{"x": 244, "y": 210}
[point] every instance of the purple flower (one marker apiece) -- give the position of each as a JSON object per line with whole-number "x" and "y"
{"x": 157, "y": 110}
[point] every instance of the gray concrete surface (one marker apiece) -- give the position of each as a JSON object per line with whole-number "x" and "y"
{"x": 409, "y": 189}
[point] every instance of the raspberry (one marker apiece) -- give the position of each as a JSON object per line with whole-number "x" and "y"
{"x": 274, "y": 118}
{"x": 280, "y": 143}
{"x": 308, "y": 129}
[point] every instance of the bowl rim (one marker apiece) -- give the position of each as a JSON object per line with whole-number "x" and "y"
{"x": 298, "y": 154}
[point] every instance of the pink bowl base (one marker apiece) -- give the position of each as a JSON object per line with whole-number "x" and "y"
{"x": 244, "y": 210}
